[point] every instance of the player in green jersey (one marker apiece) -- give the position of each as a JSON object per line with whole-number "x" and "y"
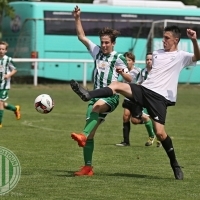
{"x": 108, "y": 65}
{"x": 7, "y": 70}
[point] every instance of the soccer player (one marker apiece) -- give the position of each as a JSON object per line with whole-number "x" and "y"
{"x": 133, "y": 111}
{"x": 108, "y": 65}
{"x": 7, "y": 70}
{"x": 159, "y": 90}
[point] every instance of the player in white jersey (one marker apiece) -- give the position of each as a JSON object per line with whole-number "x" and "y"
{"x": 159, "y": 90}
{"x": 108, "y": 65}
{"x": 7, "y": 70}
{"x": 133, "y": 111}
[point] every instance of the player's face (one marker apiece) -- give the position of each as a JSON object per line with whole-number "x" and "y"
{"x": 169, "y": 41}
{"x": 130, "y": 63}
{"x": 106, "y": 44}
{"x": 2, "y": 50}
{"x": 149, "y": 61}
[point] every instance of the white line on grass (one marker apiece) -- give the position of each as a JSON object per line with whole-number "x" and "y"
{"x": 26, "y": 123}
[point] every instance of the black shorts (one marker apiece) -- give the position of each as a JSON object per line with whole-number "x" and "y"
{"x": 133, "y": 107}
{"x": 155, "y": 103}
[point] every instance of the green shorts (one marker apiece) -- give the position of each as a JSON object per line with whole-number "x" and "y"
{"x": 112, "y": 102}
{"x": 3, "y": 94}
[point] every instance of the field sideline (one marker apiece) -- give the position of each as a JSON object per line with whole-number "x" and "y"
{"x": 48, "y": 156}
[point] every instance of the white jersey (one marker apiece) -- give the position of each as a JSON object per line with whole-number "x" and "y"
{"x": 134, "y": 74}
{"x": 6, "y": 66}
{"x": 105, "y": 71}
{"x": 166, "y": 67}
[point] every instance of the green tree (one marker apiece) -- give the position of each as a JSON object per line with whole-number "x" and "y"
{"x": 5, "y": 10}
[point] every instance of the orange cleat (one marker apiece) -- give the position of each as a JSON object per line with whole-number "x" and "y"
{"x": 85, "y": 171}
{"x": 17, "y": 112}
{"x": 80, "y": 138}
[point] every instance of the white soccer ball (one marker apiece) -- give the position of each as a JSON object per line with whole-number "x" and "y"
{"x": 44, "y": 103}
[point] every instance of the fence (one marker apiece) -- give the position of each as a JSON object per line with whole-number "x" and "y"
{"x": 36, "y": 60}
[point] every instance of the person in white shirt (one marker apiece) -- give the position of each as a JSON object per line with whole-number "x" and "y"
{"x": 159, "y": 90}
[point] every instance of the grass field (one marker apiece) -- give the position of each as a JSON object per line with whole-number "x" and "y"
{"x": 48, "y": 156}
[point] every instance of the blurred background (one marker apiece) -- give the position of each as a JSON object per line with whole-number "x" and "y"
{"x": 45, "y": 30}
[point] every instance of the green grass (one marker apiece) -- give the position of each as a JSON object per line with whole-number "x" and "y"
{"x": 48, "y": 156}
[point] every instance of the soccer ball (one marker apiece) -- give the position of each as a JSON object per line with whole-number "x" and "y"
{"x": 44, "y": 103}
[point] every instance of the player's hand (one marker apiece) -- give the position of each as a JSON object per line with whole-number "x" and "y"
{"x": 6, "y": 76}
{"x": 119, "y": 70}
{"x": 191, "y": 34}
{"x": 76, "y": 12}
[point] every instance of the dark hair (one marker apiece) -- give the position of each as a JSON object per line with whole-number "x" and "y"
{"x": 148, "y": 53}
{"x": 175, "y": 30}
{"x": 130, "y": 55}
{"x": 113, "y": 34}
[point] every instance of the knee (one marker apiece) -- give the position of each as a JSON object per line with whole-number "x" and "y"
{"x": 126, "y": 118}
{"x": 135, "y": 121}
{"x": 161, "y": 135}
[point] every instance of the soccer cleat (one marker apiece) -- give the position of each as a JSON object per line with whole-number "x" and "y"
{"x": 80, "y": 91}
{"x": 80, "y": 138}
{"x": 85, "y": 170}
{"x": 123, "y": 144}
{"x": 150, "y": 141}
{"x": 1, "y": 126}
{"x": 17, "y": 112}
{"x": 158, "y": 143}
{"x": 178, "y": 174}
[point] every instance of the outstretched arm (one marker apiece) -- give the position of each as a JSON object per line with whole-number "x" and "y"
{"x": 79, "y": 28}
{"x": 193, "y": 36}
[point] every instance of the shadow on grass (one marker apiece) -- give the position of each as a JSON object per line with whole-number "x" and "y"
{"x": 67, "y": 173}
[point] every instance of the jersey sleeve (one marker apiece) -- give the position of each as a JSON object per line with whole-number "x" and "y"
{"x": 187, "y": 59}
{"x": 121, "y": 62}
{"x": 11, "y": 64}
{"x": 93, "y": 49}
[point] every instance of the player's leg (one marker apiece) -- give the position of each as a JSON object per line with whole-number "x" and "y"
{"x": 168, "y": 146}
{"x": 126, "y": 125}
{"x": 149, "y": 127}
{"x": 3, "y": 98}
{"x": 15, "y": 109}
{"x": 1, "y": 112}
{"x": 113, "y": 88}
{"x": 88, "y": 149}
{"x": 100, "y": 106}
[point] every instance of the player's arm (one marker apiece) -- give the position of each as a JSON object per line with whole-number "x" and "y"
{"x": 122, "y": 69}
{"x": 124, "y": 73}
{"x": 13, "y": 70}
{"x": 79, "y": 28}
{"x": 192, "y": 35}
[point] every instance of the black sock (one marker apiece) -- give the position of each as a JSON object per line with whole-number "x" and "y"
{"x": 102, "y": 92}
{"x": 168, "y": 146}
{"x": 126, "y": 132}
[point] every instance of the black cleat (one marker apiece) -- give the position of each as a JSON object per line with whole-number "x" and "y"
{"x": 80, "y": 91}
{"x": 178, "y": 173}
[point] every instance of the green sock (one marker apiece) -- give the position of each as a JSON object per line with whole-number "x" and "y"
{"x": 1, "y": 116}
{"x": 88, "y": 151}
{"x": 10, "y": 107}
{"x": 91, "y": 123}
{"x": 149, "y": 127}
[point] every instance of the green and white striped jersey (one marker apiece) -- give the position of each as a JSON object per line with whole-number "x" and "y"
{"x": 142, "y": 76}
{"x": 105, "y": 72}
{"x": 6, "y": 66}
